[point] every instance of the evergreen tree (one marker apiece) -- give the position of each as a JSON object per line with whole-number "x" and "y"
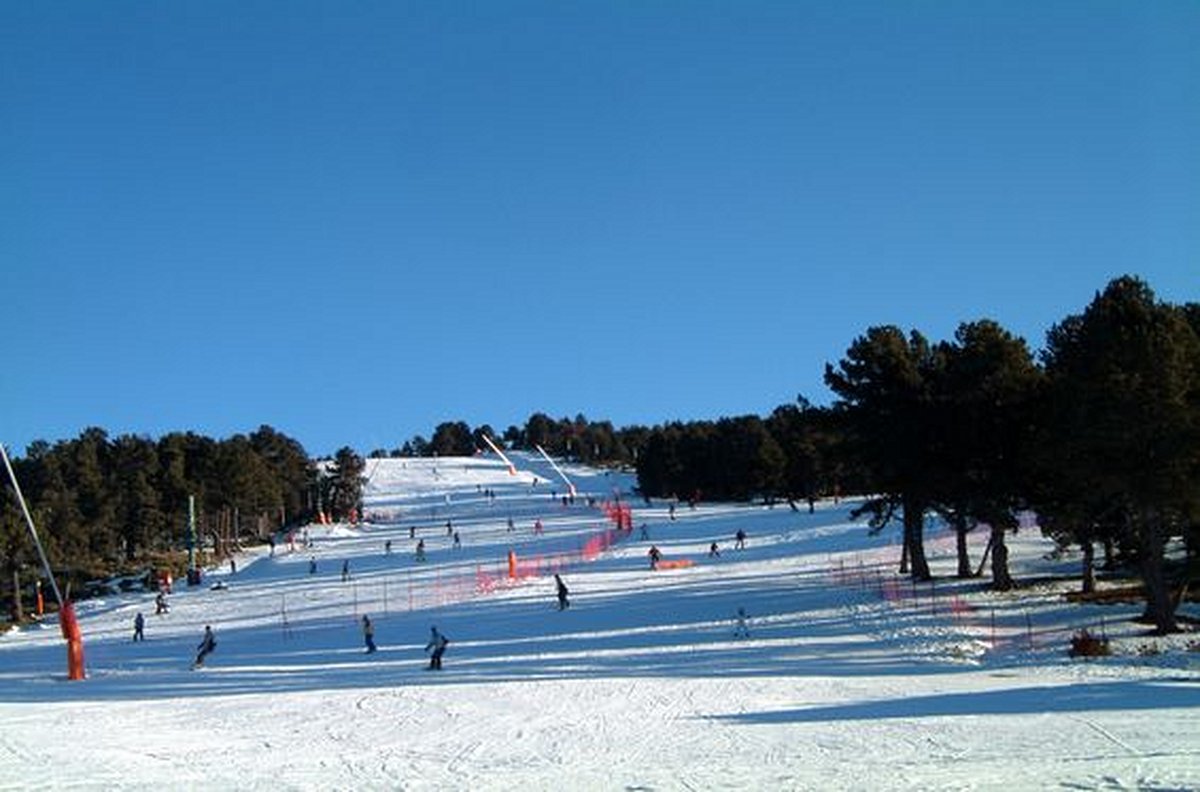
{"x": 346, "y": 483}
{"x": 1125, "y": 394}
{"x": 885, "y": 391}
{"x": 453, "y": 439}
{"x": 986, "y": 383}
{"x": 139, "y": 515}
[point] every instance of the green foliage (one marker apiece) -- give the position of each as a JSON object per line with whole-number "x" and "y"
{"x": 1122, "y": 428}
{"x": 102, "y": 505}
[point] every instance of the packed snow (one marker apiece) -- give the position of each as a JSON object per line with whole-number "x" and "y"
{"x": 849, "y": 677}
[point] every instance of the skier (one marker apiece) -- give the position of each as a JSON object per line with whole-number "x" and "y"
{"x": 345, "y": 570}
{"x": 457, "y": 541}
{"x": 160, "y": 604}
{"x": 232, "y": 566}
{"x": 368, "y": 634}
{"x": 713, "y": 552}
{"x": 436, "y": 647}
{"x": 312, "y": 565}
{"x": 139, "y": 622}
{"x": 387, "y": 547}
{"x": 741, "y": 630}
{"x": 538, "y": 530}
{"x": 207, "y": 645}
{"x": 563, "y": 603}
{"x": 655, "y": 556}
{"x": 420, "y": 549}
{"x": 740, "y": 540}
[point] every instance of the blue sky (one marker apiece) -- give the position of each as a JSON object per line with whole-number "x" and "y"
{"x": 353, "y": 221}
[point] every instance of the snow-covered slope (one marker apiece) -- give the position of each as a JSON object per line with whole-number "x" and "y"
{"x": 850, "y": 678}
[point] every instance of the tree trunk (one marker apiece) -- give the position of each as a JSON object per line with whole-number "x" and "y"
{"x": 1001, "y": 579}
{"x": 987, "y": 553}
{"x": 1160, "y": 608}
{"x": 1110, "y": 556}
{"x": 914, "y": 538}
{"x": 1089, "y": 567}
{"x": 18, "y": 613}
{"x": 904, "y": 554}
{"x": 960, "y": 540}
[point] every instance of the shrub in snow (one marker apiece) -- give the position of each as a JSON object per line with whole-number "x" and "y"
{"x": 1084, "y": 644}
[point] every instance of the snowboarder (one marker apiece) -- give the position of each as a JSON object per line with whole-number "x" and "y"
{"x": 160, "y": 604}
{"x": 436, "y": 647}
{"x": 139, "y": 622}
{"x": 655, "y": 556}
{"x": 741, "y": 630}
{"x": 368, "y": 634}
{"x": 563, "y": 603}
{"x": 713, "y": 552}
{"x": 739, "y": 540}
{"x": 207, "y": 645}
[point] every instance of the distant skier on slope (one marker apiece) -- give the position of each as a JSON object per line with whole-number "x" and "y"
{"x": 563, "y": 602}
{"x": 206, "y": 647}
{"x": 741, "y": 629}
{"x": 368, "y": 633}
{"x": 139, "y": 623}
{"x": 436, "y": 647}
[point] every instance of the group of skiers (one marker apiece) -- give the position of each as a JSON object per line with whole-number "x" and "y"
{"x": 436, "y": 647}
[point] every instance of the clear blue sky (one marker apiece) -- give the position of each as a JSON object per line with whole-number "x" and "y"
{"x": 355, "y": 220}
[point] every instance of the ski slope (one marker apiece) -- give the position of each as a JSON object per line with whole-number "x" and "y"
{"x": 851, "y": 678}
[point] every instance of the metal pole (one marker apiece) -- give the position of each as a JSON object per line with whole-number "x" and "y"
{"x": 32, "y": 530}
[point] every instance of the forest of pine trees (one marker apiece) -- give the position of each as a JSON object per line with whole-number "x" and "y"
{"x": 1099, "y": 435}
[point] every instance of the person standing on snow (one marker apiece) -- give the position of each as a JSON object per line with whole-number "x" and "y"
{"x": 139, "y": 623}
{"x": 206, "y": 647}
{"x": 741, "y": 629}
{"x": 368, "y": 634}
{"x": 563, "y": 603}
{"x": 655, "y": 556}
{"x": 436, "y": 647}
{"x": 739, "y": 540}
